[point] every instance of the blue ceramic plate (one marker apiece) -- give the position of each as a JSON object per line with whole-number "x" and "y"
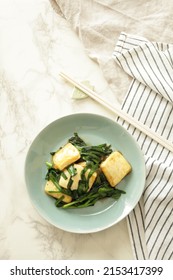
{"x": 94, "y": 129}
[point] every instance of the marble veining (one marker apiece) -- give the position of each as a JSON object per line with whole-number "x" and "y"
{"x": 36, "y": 44}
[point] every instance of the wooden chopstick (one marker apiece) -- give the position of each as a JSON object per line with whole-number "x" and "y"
{"x": 119, "y": 112}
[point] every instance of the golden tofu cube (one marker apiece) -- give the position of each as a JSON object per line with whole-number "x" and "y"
{"x": 115, "y": 168}
{"x": 76, "y": 178}
{"x": 65, "y": 156}
{"x": 51, "y": 190}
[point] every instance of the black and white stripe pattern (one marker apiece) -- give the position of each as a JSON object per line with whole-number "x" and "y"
{"x": 150, "y": 100}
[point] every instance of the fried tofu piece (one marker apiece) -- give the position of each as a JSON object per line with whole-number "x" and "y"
{"x": 115, "y": 168}
{"x": 51, "y": 190}
{"x": 65, "y": 156}
{"x": 76, "y": 178}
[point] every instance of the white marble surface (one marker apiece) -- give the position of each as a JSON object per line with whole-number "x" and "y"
{"x": 35, "y": 44}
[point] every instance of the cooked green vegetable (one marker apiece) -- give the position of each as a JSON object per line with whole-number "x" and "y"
{"x": 86, "y": 188}
{"x": 90, "y": 198}
{"x": 90, "y": 153}
{"x": 77, "y": 141}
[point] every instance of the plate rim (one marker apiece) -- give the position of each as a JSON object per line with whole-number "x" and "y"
{"x": 102, "y": 227}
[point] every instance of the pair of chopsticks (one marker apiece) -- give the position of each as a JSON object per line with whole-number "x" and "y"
{"x": 145, "y": 129}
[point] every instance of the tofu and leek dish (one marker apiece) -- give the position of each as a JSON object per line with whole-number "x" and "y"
{"x": 78, "y": 175}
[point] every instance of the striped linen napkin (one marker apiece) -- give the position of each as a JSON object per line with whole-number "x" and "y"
{"x": 150, "y": 100}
